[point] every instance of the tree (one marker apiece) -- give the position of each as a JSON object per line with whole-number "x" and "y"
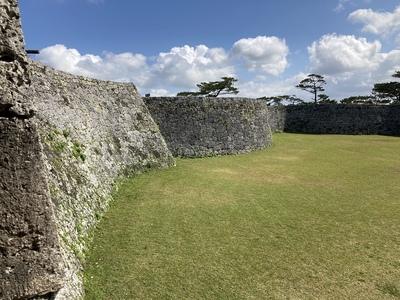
{"x": 278, "y": 100}
{"x": 358, "y": 100}
{"x": 275, "y": 100}
{"x": 312, "y": 84}
{"x": 387, "y": 92}
{"x": 324, "y": 99}
{"x": 214, "y": 88}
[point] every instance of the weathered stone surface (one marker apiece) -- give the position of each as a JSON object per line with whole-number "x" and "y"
{"x": 198, "y": 126}
{"x": 337, "y": 119}
{"x": 29, "y": 251}
{"x": 59, "y": 167}
{"x": 14, "y": 75}
{"x": 93, "y": 132}
{"x": 66, "y": 140}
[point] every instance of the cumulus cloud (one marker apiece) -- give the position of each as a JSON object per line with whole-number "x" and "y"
{"x": 62, "y": 58}
{"x": 265, "y": 86}
{"x": 351, "y": 65}
{"x": 124, "y": 67}
{"x": 180, "y": 68}
{"x": 334, "y": 54}
{"x": 379, "y": 23}
{"x": 265, "y": 54}
{"x": 186, "y": 66}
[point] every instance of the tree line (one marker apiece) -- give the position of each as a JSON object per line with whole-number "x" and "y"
{"x": 382, "y": 93}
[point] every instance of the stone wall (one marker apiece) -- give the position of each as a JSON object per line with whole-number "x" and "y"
{"x": 199, "y": 126}
{"x": 66, "y": 140}
{"x": 92, "y": 133}
{"x": 336, "y": 119}
{"x": 277, "y": 118}
{"x": 30, "y": 255}
{"x": 64, "y": 143}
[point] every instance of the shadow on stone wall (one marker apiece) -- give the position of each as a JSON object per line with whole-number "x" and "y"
{"x": 336, "y": 119}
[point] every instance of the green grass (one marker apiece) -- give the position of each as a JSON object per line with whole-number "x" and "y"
{"x": 312, "y": 217}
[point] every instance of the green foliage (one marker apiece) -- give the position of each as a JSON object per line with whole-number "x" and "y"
{"x": 324, "y": 99}
{"x": 382, "y": 93}
{"x": 214, "y": 88}
{"x": 66, "y": 133}
{"x": 312, "y": 84}
{"x": 358, "y": 100}
{"x": 60, "y": 146}
{"x": 78, "y": 151}
{"x": 56, "y": 131}
{"x": 387, "y": 92}
{"x": 396, "y": 74}
{"x": 278, "y": 100}
{"x": 183, "y": 94}
{"x": 312, "y": 217}
{"x": 61, "y": 142}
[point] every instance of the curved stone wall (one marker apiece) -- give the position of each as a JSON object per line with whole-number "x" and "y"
{"x": 66, "y": 140}
{"x": 92, "y": 133}
{"x": 200, "y": 126}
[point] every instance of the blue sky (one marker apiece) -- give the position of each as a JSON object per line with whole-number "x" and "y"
{"x": 165, "y": 47}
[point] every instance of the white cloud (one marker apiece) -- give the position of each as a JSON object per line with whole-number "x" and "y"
{"x": 265, "y": 54}
{"x": 186, "y": 66}
{"x": 263, "y": 86}
{"x": 361, "y": 81}
{"x": 180, "y": 68}
{"x": 160, "y": 92}
{"x": 334, "y": 54}
{"x": 341, "y": 5}
{"x": 124, "y": 67}
{"x": 379, "y": 23}
{"x": 350, "y": 65}
{"x": 59, "y": 57}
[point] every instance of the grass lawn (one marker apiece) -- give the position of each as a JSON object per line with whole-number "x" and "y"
{"x": 312, "y": 217}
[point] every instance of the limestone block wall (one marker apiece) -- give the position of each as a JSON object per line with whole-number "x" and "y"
{"x": 66, "y": 140}
{"x": 92, "y": 133}
{"x": 337, "y": 119}
{"x": 277, "y": 118}
{"x": 200, "y": 126}
{"x": 30, "y": 256}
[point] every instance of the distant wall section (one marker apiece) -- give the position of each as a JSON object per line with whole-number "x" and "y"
{"x": 201, "y": 126}
{"x": 336, "y": 119}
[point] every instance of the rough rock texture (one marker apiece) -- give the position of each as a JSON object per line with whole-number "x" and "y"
{"x": 93, "y": 132}
{"x": 337, "y": 119}
{"x": 29, "y": 250}
{"x": 277, "y": 118}
{"x": 14, "y": 75}
{"x": 198, "y": 126}
{"x": 66, "y": 140}
{"x": 64, "y": 143}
